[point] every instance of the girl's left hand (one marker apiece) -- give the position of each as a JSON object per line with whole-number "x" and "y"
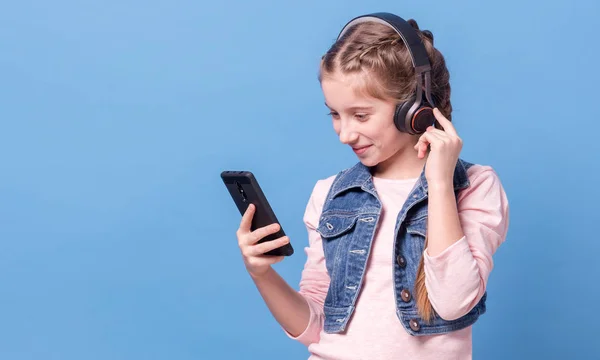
{"x": 443, "y": 155}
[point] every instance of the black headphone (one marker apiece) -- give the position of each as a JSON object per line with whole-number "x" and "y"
{"x": 415, "y": 115}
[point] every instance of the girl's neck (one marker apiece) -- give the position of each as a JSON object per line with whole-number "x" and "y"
{"x": 403, "y": 165}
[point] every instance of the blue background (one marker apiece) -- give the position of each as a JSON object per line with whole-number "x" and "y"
{"x": 117, "y": 237}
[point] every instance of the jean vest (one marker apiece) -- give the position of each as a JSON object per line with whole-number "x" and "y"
{"x": 348, "y": 221}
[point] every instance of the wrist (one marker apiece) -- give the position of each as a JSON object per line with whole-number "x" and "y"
{"x": 440, "y": 186}
{"x": 259, "y": 277}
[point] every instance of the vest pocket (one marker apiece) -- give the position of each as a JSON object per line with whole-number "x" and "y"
{"x": 331, "y": 226}
{"x": 417, "y": 227}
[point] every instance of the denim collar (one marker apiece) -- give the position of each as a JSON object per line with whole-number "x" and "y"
{"x": 359, "y": 176}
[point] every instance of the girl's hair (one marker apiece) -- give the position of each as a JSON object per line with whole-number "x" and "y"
{"x": 377, "y": 52}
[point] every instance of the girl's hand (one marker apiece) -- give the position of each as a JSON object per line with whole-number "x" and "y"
{"x": 445, "y": 147}
{"x": 256, "y": 263}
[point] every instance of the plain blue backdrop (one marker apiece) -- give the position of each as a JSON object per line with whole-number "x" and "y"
{"x": 117, "y": 237}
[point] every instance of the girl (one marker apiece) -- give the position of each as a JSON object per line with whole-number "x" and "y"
{"x": 401, "y": 244}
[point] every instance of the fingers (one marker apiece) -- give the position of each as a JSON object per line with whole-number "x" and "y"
{"x": 253, "y": 253}
{"x": 428, "y": 138}
{"x": 440, "y": 133}
{"x": 445, "y": 123}
{"x": 437, "y": 139}
{"x": 447, "y": 138}
{"x": 436, "y": 135}
{"x": 423, "y": 144}
{"x": 260, "y": 233}
{"x": 420, "y": 146}
{"x": 246, "y": 222}
{"x": 266, "y": 246}
{"x": 246, "y": 225}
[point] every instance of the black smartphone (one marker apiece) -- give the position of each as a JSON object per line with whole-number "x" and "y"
{"x": 244, "y": 190}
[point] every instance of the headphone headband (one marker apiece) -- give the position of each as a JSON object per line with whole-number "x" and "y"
{"x": 413, "y": 42}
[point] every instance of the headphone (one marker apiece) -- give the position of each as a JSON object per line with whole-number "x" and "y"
{"x": 416, "y": 114}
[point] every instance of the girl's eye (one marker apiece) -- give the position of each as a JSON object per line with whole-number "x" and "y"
{"x": 359, "y": 117}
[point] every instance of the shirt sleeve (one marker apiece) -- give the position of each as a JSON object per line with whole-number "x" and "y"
{"x": 314, "y": 281}
{"x": 456, "y": 278}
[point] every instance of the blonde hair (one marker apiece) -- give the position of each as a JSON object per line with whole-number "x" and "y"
{"x": 378, "y": 53}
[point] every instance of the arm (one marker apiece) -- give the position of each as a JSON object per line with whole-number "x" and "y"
{"x": 300, "y": 313}
{"x": 462, "y": 238}
{"x": 289, "y": 307}
{"x": 443, "y": 224}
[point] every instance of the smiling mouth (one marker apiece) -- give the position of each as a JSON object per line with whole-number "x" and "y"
{"x": 360, "y": 150}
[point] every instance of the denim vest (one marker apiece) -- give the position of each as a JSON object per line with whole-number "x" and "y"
{"x": 347, "y": 224}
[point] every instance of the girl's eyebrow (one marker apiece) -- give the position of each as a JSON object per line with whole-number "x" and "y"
{"x": 354, "y": 107}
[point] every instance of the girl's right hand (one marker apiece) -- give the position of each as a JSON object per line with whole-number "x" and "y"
{"x": 256, "y": 263}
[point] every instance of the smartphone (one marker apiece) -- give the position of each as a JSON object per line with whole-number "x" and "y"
{"x": 244, "y": 190}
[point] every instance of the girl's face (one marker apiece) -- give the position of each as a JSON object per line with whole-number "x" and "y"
{"x": 363, "y": 122}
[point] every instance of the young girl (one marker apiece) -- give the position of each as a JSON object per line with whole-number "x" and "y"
{"x": 401, "y": 244}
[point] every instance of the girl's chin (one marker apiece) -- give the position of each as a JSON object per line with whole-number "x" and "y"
{"x": 369, "y": 161}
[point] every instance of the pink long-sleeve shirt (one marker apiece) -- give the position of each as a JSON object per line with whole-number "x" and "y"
{"x": 455, "y": 279}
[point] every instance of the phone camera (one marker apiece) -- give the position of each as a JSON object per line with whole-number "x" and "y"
{"x": 241, "y": 191}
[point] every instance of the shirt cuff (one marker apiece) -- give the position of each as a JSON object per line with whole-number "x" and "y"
{"x": 452, "y": 251}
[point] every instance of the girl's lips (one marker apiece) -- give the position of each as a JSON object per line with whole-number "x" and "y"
{"x": 360, "y": 150}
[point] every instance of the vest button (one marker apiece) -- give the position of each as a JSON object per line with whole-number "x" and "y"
{"x": 414, "y": 325}
{"x": 405, "y": 295}
{"x": 401, "y": 261}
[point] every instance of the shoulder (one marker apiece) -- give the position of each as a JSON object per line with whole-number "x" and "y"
{"x": 485, "y": 194}
{"x": 483, "y": 206}
{"x": 323, "y": 185}
{"x": 475, "y": 170}
{"x": 482, "y": 176}
{"x": 318, "y": 195}
{"x": 320, "y": 190}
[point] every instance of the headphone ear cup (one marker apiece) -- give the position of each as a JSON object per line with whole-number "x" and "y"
{"x": 422, "y": 119}
{"x": 400, "y": 116}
